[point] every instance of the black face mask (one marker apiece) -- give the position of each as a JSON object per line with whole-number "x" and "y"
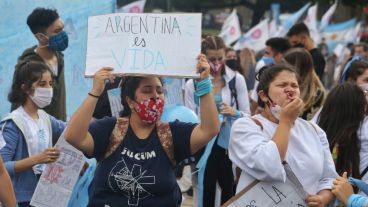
{"x": 299, "y": 45}
{"x": 233, "y": 64}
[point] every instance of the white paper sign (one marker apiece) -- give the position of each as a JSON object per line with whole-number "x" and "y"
{"x": 271, "y": 194}
{"x": 58, "y": 179}
{"x": 115, "y": 101}
{"x": 144, "y": 44}
{"x": 174, "y": 94}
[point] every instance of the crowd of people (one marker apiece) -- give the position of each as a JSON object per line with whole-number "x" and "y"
{"x": 287, "y": 107}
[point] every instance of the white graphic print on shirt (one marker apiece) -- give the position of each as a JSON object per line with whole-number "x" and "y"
{"x": 139, "y": 156}
{"x": 130, "y": 182}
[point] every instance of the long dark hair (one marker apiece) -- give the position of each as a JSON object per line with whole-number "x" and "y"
{"x": 129, "y": 86}
{"x": 357, "y": 68}
{"x": 27, "y": 73}
{"x": 212, "y": 43}
{"x": 267, "y": 74}
{"x": 341, "y": 118}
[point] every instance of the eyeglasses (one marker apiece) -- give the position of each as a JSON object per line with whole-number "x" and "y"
{"x": 213, "y": 59}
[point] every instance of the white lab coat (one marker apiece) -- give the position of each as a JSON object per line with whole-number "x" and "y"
{"x": 308, "y": 154}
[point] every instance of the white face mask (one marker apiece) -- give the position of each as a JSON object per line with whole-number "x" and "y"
{"x": 275, "y": 111}
{"x": 42, "y": 97}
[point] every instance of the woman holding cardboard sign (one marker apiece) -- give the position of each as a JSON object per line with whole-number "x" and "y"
{"x": 136, "y": 152}
{"x": 260, "y": 144}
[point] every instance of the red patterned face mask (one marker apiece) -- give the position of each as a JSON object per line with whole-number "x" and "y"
{"x": 150, "y": 110}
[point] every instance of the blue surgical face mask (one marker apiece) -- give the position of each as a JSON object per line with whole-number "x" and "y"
{"x": 268, "y": 60}
{"x": 58, "y": 42}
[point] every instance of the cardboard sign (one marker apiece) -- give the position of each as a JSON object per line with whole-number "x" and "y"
{"x": 144, "y": 44}
{"x": 271, "y": 194}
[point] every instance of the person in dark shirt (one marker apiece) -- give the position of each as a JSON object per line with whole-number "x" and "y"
{"x": 139, "y": 171}
{"x": 48, "y": 28}
{"x": 299, "y": 37}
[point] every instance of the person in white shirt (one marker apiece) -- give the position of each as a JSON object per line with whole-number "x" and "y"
{"x": 259, "y": 145}
{"x": 29, "y": 132}
{"x": 231, "y": 96}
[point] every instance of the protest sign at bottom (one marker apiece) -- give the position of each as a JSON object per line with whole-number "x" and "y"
{"x": 58, "y": 179}
{"x": 271, "y": 194}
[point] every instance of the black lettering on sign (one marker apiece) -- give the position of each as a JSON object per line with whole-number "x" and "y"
{"x": 147, "y": 24}
{"x": 278, "y": 193}
{"x": 141, "y": 43}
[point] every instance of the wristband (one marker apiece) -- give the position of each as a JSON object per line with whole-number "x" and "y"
{"x": 237, "y": 114}
{"x": 202, "y": 88}
{"x": 94, "y": 96}
{"x": 356, "y": 200}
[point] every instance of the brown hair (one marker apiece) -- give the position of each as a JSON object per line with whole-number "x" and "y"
{"x": 212, "y": 43}
{"x": 267, "y": 75}
{"x": 247, "y": 61}
{"x": 356, "y": 69}
{"x": 27, "y": 73}
{"x": 302, "y": 61}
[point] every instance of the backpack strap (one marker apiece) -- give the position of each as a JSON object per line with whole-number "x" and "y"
{"x": 166, "y": 139}
{"x": 121, "y": 128}
{"x": 364, "y": 172}
{"x": 234, "y": 95}
{"x": 117, "y": 136}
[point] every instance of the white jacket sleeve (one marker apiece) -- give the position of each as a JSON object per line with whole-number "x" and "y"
{"x": 254, "y": 153}
{"x": 329, "y": 172}
{"x": 189, "y": 96}
{"x": 242, "y": 94}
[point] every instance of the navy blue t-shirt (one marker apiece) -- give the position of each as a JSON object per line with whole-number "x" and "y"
{"x": 139, "y": 172}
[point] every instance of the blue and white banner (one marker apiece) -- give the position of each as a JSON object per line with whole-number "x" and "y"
{"x": 230, "y": 31}
{"x": 327, "y": 17}
{"x": 15, "y": 37}
{"x": 290, "y": 21}
{"x": 336, "y": 33}
{"x": 311, "y": 22}
{"x": 134, "y": 7}
{"x": 255, "y": 38}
